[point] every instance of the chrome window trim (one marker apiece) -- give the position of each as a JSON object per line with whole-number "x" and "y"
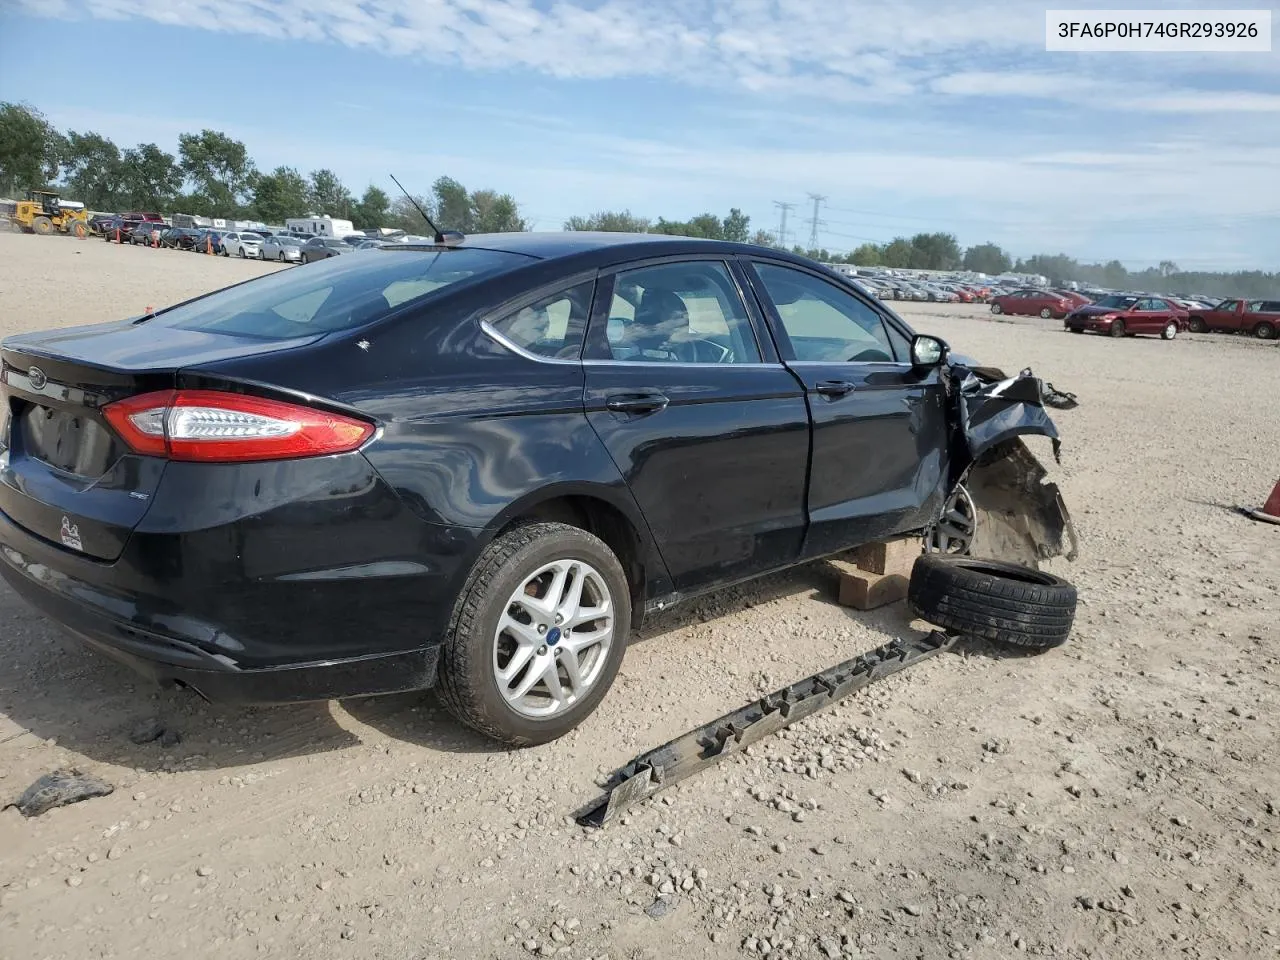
{"x": 515, "y": 348}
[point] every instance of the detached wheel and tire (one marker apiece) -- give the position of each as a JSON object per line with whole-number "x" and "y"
{"x": 1001, "y": 602}
{"x": 537, "y": 635}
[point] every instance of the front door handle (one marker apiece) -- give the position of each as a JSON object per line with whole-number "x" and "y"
{"x": 637, "y": 403}
{"x": 834, "y": 388}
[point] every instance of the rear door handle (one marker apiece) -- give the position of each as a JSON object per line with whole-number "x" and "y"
{"x": 834, "y": 388}
{"x": 637, "y": 403}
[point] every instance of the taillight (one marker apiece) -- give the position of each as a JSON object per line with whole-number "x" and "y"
{"x": 216, "y": 427}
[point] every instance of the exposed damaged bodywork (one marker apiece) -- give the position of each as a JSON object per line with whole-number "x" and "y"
{"x": 1000, "y": 505}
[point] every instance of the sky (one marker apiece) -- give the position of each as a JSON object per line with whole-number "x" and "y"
{"x": 916, "y": 115}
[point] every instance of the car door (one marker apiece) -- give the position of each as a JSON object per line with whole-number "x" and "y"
{"x": 879, "y": 425}
{"x": 709, "y": 429}
{"x": 1146, "y": 316}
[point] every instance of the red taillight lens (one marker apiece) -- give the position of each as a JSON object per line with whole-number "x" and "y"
{"x": 216, "y": 427}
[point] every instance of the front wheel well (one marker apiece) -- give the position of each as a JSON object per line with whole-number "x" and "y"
{"x": 604, "y": 520}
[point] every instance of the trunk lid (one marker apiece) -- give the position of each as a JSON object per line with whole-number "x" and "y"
{"x": 65, "y": 475}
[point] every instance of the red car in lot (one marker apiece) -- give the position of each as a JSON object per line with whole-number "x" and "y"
{"x": 1032, "y": 303}
{"x": 1127, "y": 315}
{"x": 1258, "y": 317}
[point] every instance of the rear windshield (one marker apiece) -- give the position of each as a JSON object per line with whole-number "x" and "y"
{"x": 339, "y": 293}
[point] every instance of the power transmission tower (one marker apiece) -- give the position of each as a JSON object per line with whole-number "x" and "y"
{"x": 782, "y": 223}
{"x": 814, "y": 222}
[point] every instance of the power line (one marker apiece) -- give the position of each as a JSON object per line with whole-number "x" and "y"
{"x": 814, "y": 221}
{"x": 782, "y": 223}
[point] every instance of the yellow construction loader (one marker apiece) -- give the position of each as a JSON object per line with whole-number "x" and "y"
{"x": 45, "y": 213}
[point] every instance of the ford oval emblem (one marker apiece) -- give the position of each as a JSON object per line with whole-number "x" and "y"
{"x": 37, "y": 378}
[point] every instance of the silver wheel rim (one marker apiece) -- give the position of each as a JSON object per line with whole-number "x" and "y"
{"x": 1170, "y": 331}
{"x": 954, "y": 530}
{"x": 553, "y": 638}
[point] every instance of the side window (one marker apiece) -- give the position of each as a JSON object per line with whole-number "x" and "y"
{"x": 677, "y": 313}
{"x": 1229, "y": 306}
{"x": 823, "y": 322}
{"x": 553, "y": 326}
{"x": 1156, "y": 304}
{"x": 1271, "y": 306}
{"x": 900, "y": 341}
{"x": 1255, "y": 306}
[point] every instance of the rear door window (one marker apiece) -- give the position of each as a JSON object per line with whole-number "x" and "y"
{"x": 552, "y": 327}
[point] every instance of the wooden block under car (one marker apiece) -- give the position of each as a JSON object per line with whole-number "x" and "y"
{"x": 887, "y": 556}
{"x": 864, "y": 590}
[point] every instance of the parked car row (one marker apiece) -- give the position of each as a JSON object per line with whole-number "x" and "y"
{"x": 889, "y": 287}
{"x": 246, "y": 244}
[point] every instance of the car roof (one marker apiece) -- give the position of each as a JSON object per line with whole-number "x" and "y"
{"x": 564, "y": 243}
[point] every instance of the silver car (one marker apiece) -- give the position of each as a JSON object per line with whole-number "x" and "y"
{"x": 282, "y": 248}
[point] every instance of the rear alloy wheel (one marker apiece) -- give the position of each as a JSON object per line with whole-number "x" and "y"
{"x": 997, "y": 601}
{"x": 1046, "y": 313}
{"x": 1170, "y": 331}
{"x": 1117, "y": 329}
{"x": 1196, "y": 325}
{"x": 996, "y": 308}
{"x": 1264, "y": 331}
{"x": 537, "y": 634}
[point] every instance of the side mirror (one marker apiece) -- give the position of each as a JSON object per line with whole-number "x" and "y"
{"x": 928, "y": 351}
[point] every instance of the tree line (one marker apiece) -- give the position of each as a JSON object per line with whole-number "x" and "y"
{"x": 212, "y": 174}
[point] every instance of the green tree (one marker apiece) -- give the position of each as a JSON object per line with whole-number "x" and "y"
{"x": 609, "y": 221}
{"x": 328, "y": 196}
{"x": 403, "y": 215}
{"x": 280, "y": 194}
{"x": 867, "y": 255}
{"x": 987, "y": 258}
{"x": 453, "y": 209}
{"x": 91, "y": 170}
{"x": 736, "y": 226}
{"x": 898, "y": 253}
{"x": 219, "y": 169}
{"x": 373, "y": 210}
{"x": 30, "y": 148}
{"x": 1115, "y": 275}
{"x": 492, "y": 212}
{"x": 763, "y": 238}
{"x": 150, "y": 178}
{"x": 935, "y": 251}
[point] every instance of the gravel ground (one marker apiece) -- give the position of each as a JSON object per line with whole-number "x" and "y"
{"x": 1116, "y": 798}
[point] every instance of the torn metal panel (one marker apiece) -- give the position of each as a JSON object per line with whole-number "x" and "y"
{"x": 1016, "y": 515}
{"x": 701, "y": 748}
{"x": 1021, "y": 517}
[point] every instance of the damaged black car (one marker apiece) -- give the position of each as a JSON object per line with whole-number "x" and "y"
{"x": 476, "y": 464}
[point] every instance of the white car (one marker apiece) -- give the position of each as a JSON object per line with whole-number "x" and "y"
{"x": 242, "y": 245}
{"x": 282, "y": 247}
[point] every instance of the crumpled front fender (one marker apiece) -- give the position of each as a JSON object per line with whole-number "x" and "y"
{"x": 1020, "y": 517}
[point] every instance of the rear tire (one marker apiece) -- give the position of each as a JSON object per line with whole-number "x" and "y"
{"x": 1197, "y": 325}
{"x": 1001, "y": 602}
{"x": 1264, "y": 331}
{"x": 1117, "y": 329}
{"x": 42, "y": 226}
{"x": 469, "y": 683}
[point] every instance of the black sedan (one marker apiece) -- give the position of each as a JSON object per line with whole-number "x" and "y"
{"x": 474, "y": 464}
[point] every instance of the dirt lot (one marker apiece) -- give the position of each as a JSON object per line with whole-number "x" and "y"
{"x": 1116, "y": 798}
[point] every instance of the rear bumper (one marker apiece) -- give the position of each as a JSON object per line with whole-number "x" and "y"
{"x": 78, "y": 608}
{"x": 323, "y": 590}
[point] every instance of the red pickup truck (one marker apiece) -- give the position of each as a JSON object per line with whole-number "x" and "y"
{"x": 1258, "y": 317}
